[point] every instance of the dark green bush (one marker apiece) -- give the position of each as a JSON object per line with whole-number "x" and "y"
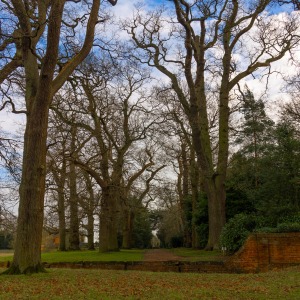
{"x": 202, "y": 231}
{"x": 294, "y": 218}
{"x": 6, "y": 241}
{"x": 266, "y": 230}
{"x": 288, "y": 227}
{"x": 176, "y": 242}
{"x": 289, "y": 223}
{"x": 236, "y": 231}
{"x": 286, "y": 223}
{"x": 275, "y": 215}
{"x": 142, "y": 233}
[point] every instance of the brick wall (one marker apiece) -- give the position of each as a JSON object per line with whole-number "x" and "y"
{"x": 262, "y": 252}
{"x": 153, "y": 266}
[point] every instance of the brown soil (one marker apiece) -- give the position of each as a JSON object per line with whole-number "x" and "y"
{"x": 160, "y": 255}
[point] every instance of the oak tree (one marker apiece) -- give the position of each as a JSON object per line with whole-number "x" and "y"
{"x": 32, "y": 33}
{"x": 210, "y": 46}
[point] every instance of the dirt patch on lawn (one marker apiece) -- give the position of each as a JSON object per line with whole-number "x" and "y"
{"x": 160, "y": 255}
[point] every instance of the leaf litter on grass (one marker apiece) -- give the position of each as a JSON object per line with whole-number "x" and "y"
{"x": 61, "y": 284}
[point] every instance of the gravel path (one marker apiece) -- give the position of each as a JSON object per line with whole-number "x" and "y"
{"x": 160, "y": 255}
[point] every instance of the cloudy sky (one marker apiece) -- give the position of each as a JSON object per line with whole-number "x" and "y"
{"x": 125, "y": 9}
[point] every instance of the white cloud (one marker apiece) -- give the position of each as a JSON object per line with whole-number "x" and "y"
{"x": 125, "y": 8}
{"x": 11, "y": 123}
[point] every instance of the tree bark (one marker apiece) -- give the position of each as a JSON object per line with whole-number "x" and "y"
{"x": 90, "y": 231}
{"x": 195, "y": 183}
{"x": 61, "y": 220}
{"x": 27, "y": 256}
{"x": 187, "y": 233}
{"x": 127, "y": 229}
{"x": 40, "y": 88}
{"x": 90, "y": 212}
{"x": 74, "y": 220}
{"x": 216, "y": 210}
{"x": 59, "y": 176}
{"x": 109, "y": 217}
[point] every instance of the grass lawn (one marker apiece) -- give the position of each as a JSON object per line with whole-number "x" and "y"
{"x": 105, "y": 284}
{"x": 76, "y": 256}
{"x": 123, "y": 255}
{"x": 197, "y": 255}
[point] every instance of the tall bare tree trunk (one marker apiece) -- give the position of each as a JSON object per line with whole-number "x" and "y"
{"x": 32, "y": 18}
{"x": 182, "y": 189}
{"x": 90, "y": 212}
{"x": 90, "y": 231}
{"x": 74, "y": 220}
{"x": 195, "y": 182}
{"x": 127, "y": 228}
{"x": 32, "y": 190}
{"x": 59, "y": 176}
{"x": 62, "y": 221}
{"x": 108, "y": 238}
{"x": 216, "y": 210}
{"x": 27, "y": 256}
{"x": 187, "y": 238}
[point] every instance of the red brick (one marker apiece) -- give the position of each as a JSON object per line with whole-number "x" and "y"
{"x": 262, "y": 252}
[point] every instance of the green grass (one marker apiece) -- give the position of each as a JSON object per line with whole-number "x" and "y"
{"x": 83, "y": 284}
{"x": 76, "y": 256}
{"x": 123, "y": 255}
{"x": 197, "y": 255}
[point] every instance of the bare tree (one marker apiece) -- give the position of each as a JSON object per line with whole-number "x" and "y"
{"x": 59, "y": 143}
{"x": 90, "y": 204}
{"x": 33, "y": 31}
{"x": 116, "y": 117}
{"x": 198, "y": 48}
{"x": 188, "y": 175}
{"x": 10, "y": 149}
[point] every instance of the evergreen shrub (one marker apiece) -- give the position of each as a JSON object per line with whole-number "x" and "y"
{"x": 238, "y": 228}
{"x": 292, "y": 218}
{"x": 288, "y": 227}
{"x": 289, "y": 223}
{"x": 236, "y": 231}
{"x": 176, "y": 242}
{"x": 266, "y": 230}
